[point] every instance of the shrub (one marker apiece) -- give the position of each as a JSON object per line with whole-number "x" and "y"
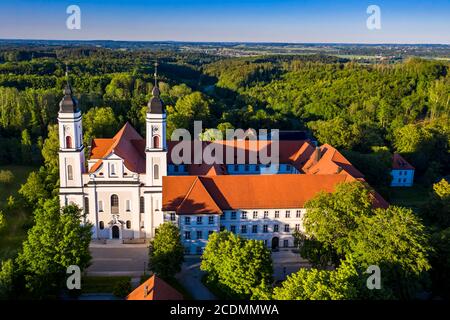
{"x": 6, "y": 176}
{"x": 122, "y": 288}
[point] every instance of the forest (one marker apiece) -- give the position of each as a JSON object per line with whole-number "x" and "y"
{"x": 366, "y": 110}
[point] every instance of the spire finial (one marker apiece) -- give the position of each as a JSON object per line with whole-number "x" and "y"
{"x": 68, "y": 89}
{"x": 156, "y": 73}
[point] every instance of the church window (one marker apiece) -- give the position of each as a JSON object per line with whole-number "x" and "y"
{"x": 69, "y": 172}
{"x": 128, "y": 224}
{"x": 141, "y": 204}
{"x": 156, "y": 143}
{"x": 68, "y": 142}
{"x": 128, "y": 204}
{"x": 101, "y": 225}
{"x": 113, "y": 169}
{"x": 156, "y": 171}
{"x": 100, "y": 206}
{"x": 114, "y": 203}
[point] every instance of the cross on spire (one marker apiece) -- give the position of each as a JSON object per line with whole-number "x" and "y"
{"x": 156, "y": 73}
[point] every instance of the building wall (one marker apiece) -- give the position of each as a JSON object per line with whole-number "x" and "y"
{"x": 402, "y": 178}
{"x": 236, "y": 220}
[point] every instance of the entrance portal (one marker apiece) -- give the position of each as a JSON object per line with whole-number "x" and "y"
{"x": 115, "y": 232}
{"x": 275, "y": 243}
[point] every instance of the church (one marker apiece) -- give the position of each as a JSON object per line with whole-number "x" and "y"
{"x": 129, "y": 184}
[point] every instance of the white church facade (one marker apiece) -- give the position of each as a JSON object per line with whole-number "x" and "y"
{"x": 129, "y": 185}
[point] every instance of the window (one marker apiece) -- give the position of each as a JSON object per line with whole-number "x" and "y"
{"x": 244, "y": 214}
{"x": 254, "y": 228}
{"x": 100, "y": 206}
{"x": 128, "y": 224}
{"x": 198, "y": 250}
{"x": 187, "y": 250}
{"x": 277, "y": 214}
{"x": 172, "y": 217}
{"x": 233, "y": 215}
{"x": 187, "y": 235}
{"x": 288, "y": 214}
{"x": 266, "y": 214}
{"x": 265, "y": 228}
{"x": 199, "y": 220}
{"x": 286, "y": 228}
{"x": 199, "y": 235}
{"x": 128, "y": 205}
{"x": 156, "y": 142}
{"x": 86, "y": 205}
{"x": 243, "y": 228}
{"x": 69, "y": 172}
{"x": 187, "y": 220}
{"x": 114, "y": 203}
{"x": 113, "y": 169}
{"x": 265, "y": 243}
{"x": 210, "y": 220}
{"x": 404, "y": 179}
{"x": 68, "y": 142}
{"x": 297, "y": 227}
{"x": 223, "y": 216}
{"x": 156, "y": 171}
{"x": 285, "y": 243}
{"x": 101, "y": 225}
{"x": 275, "y": 228}
{"x": 233, "y": 229}
{"x": 141, "y": 204}
{"x": 255, "y": 214}
{"x": 298, "y": 214}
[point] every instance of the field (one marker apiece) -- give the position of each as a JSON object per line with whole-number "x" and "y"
{"x": 18, "y": 218}
{"x": 413, "y": 197}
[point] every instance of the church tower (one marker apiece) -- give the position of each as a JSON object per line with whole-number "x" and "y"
{"x": 71, "y": 149}
{"x": 156, "y": 158}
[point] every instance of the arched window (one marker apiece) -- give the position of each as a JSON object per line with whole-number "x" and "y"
{"x": 113, "y": 169}
{"x": 114, "y": 203}
{"x": 69, "y": 172}
{"x": 101, "y": 225}
{"x": 156, "y": 171}
{"x": 156, "y": 142}
{"x": 141, "y": 205}
{"x": 86, "y": 205}
{"x": 128, "y": 224}
{"x": 68, "y": 142}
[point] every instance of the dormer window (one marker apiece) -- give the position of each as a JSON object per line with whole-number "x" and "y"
{"x": 113, "y": 169}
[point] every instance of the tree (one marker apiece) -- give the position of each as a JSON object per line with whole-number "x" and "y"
{"x": 57, "y": 240}
{"x": 440, "y": 263}
{"x": 2, "y": 221}
{"x": 26, "y": 147}
{"x": 331, "y": 217}
{"x": 166, "y": 251}
{"x": 99, "y": 123}
{"x": 336, "y": 132}
{"x": 6, "y": 279}
{"x": 6, "y": 176}
{"x": 315, "y": 284}
{"x": 237, "y": 266}
{"x": 51, "y": 148}
{"x": 437, "y": 209}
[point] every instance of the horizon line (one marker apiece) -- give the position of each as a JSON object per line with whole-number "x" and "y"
{"x": 229, "y": 42}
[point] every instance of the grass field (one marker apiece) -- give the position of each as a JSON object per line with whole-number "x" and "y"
{"x": 411, "y": 197}
{"x": 100, "y": 284}
{"x": 18, "y": 219}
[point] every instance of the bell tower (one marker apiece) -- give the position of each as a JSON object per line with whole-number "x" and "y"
{"x": 156, "y": 159}
{"x": 71, "y": 148}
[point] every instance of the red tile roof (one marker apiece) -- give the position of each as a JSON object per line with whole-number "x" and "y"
{"x": 127, "y": 144}
{"x": 229, "y": 192}
{"x": 155, "y": 289}
{"x": 399, "y": 163}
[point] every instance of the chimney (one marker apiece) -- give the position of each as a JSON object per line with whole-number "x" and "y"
{"x": 317, "y": 155}
{"x": 145, "y": 291}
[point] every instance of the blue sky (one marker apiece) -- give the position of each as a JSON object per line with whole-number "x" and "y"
{"x": 402, "y": 21}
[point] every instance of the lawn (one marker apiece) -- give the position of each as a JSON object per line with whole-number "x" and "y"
{"x": 411, "y": 197}
{"x": 18, "y": 219}
{"x": 101, "y": 284}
